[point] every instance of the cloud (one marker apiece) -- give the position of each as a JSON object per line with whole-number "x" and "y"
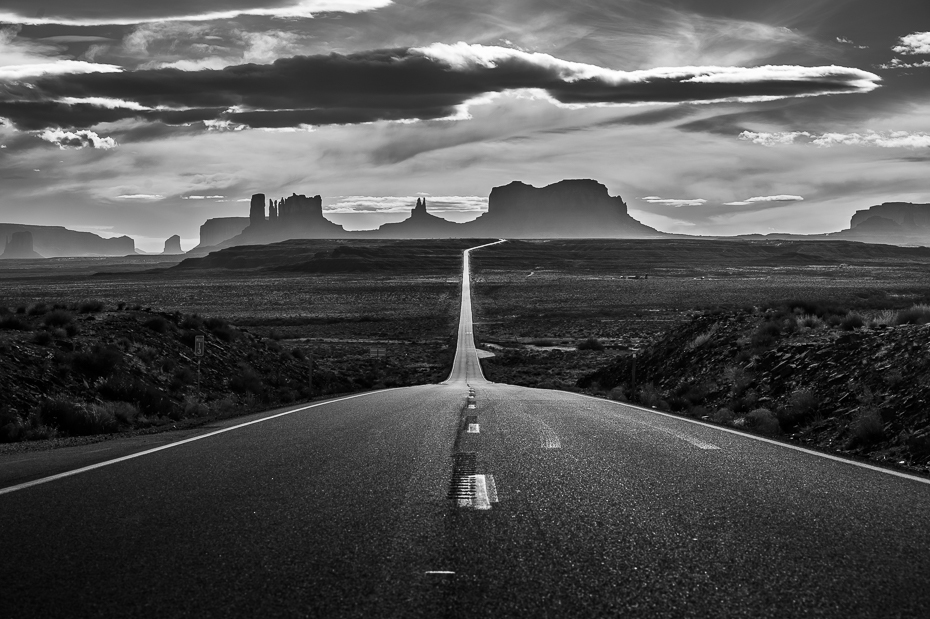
{"x": 404, "y": 204}
{"x": 673, "y": 202}
{"x": 119, "y": 12}
{"x": 147, "y": 197}
{"x": 913, "y": 44}
{"x": 22, "y": 59}
{"x": 846, "y": 41}
{"x": 884, "y": 139}
{"x": 404, "y": 84}
{"x": 202, "y": 197}
{"x": 77, "y": 139}
{"x": 757, "y": 199}
{"x": 897, "y": 63}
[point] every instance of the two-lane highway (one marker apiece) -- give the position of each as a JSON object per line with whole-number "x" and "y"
{"x": 469, "y": 499}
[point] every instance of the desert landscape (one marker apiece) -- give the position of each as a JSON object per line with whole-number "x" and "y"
{"x": 557, "y": 314}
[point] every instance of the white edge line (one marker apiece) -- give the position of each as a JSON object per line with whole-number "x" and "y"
{"x": 755, "y": 437}
{"x": 91, "y": 467}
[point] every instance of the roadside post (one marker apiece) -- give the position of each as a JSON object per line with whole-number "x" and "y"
{"x": 633, "y": 377}
{"x": 198, "y": 352}
{"x": 310, "y": 372}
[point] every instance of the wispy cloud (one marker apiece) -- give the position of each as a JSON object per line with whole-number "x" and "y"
{"x": 883, "y": 139}
{"x": 147, "y": 197}
{"x": 119, "y": 12}
{"x": 677, "y": 203}
{"x": 758, "y": 199}
{"x": 399, "y": 204}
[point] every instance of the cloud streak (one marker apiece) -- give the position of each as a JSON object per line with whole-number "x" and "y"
{"x": 677, "y": 203}
{"x": 396, "y": 84}
{"x": 121, "y": 13}
{"x": 884, "y": 139}
{"x": 763, "y": 199}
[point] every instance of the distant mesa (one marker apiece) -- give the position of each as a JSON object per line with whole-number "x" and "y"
{"x": 215, "y": 231}
{"x": 894, "y": 223}
{"x": 19, "y": 246}
{"x": 173, "y": 245}
{"x": 567, "y": 209}
{"x": 56, "y": 241}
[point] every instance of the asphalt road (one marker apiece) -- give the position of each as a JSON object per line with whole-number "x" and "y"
{"x": 426, "y": 502}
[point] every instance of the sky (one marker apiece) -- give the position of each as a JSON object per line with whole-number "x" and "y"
{"x": 710, "y": 117}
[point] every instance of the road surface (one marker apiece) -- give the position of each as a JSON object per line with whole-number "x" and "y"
{"x": 430, "y": 502}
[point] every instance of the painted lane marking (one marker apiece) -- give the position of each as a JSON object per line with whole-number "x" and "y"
{"x": 472, "y": 406}
{"x": 761, "y": 439}
{"x": 492, "y": 488}
{"x": 473, "y": 429}
{"x": 441, "y": 572}
{"x": 85, "y": 469}
{"x": 686, "y": 437}
{"x": 481, "y": 499}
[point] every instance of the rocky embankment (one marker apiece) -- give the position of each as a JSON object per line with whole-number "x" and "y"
{"x": 86, "y": 369}
{"x": 832, "y": 380}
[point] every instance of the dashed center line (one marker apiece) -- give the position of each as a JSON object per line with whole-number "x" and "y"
{"x": 481, "y": 500}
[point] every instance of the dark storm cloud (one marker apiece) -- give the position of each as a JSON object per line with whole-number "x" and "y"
{"x": 414, "y": 83}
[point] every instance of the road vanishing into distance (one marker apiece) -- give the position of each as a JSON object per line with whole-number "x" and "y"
{"x": 464, "y": 499}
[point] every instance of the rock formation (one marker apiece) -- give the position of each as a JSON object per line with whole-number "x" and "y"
{"x": 215, "y": 231}
{"x": 567, "y": 209}
{"x": 173, "y": 245}
{"x": 56, "y": 241}
{"x": 19, "y": 245}
{"x": 420, "y": 225}
{"x": 257, "y": 210}
{"x": 903, "y": 213}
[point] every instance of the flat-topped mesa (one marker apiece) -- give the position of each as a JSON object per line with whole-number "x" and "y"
{"x": 215, "y": 231}
{"x": 904, "y": 214}
{"x": 578, "y": 208}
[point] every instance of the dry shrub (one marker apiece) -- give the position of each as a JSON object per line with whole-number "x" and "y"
{"x": 702, "y": 339}
{"x": 77, "y": 420}
{"x": 763, "y": 421}
{"x": 617, "y": 394}
{"x": 723, "y": 415}
{"x": 649, "y": 395}
{"x": 57, "y": 318}
{"x": 801, "y": 406}
{"x": 866, "y": 427}
{"x": 916, "y": 315}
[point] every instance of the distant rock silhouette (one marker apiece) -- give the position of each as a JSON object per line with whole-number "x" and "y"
{"x": 215, "y": 231}
{"x": 420, "y": 225}
{"x": 903, "y": 213}
{"x": 567, "y": 209}
{"x": 257, "y": 210}
{"x": 56, "y": 241}
{"x": 19, "y": 245}
{"x": 296, "y": 217}
{"x": 173, "y": 245}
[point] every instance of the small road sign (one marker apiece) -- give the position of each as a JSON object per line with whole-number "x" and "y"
{"x": 198, "y": 345}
